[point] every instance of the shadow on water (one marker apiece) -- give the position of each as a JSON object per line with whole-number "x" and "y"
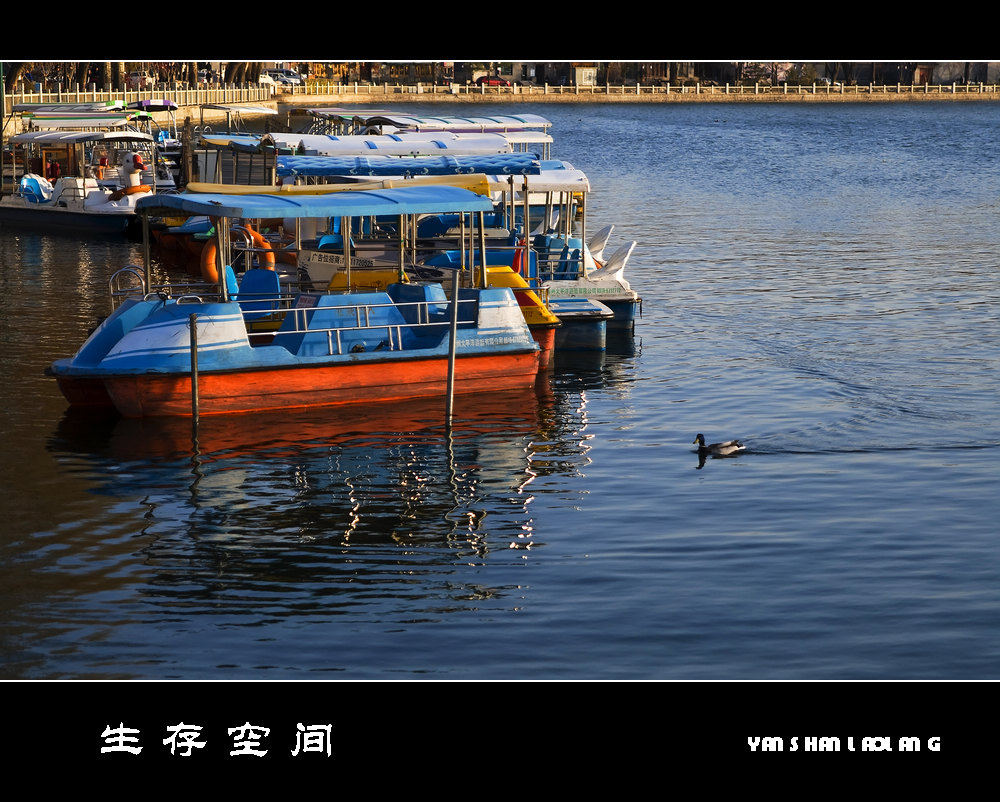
{"x": 598, "y": 368}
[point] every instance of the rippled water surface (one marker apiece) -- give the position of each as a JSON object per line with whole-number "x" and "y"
{"x": 820, "y": 281}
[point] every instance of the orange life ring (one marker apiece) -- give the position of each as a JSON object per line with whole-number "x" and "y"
{"x": 209, "y": 270}
{"x": 265, "y": 260}
{"x": 118, "y": 194}
{"x": 287, "y": 257}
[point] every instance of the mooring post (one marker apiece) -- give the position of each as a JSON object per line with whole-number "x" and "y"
{"x": 452, "y": 339}
{"x": 193, "y": 323}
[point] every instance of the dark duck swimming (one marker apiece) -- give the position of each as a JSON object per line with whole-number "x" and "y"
{"x": 723, "y": 449}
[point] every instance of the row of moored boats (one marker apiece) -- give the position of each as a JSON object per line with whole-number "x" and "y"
{"x": 390, "y": 258}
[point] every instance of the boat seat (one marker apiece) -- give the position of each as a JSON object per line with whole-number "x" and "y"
{"x": 407, "y": 295}
{"x": 333, "y": 242}
{"x": 35, "y": 189}
{"x": 568, "y": 268}
{"x": 548, "y": 244}
{"x": 232, "y": 287}
{"x": 438, "y": 225}
{"x": 341, "y": 312}
{"x": 259, "y": 293}
{"x": 435, "y": 225}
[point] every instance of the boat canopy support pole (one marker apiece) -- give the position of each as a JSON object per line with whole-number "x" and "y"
{"x": 526, "y": 230}
{"x": 468, "y": 255}
{"x": 146, "y": 258}
{"x": 223, "y": 255}
{"x": 412, "y": 235}
{"x": 402, "y": 249}
{"x": 461, "y": 242}
{"x": 482, "y": 249}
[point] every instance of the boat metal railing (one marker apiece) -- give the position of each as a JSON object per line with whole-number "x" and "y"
{"x": 119, "y": 291}
{"x": 555, "y": 267}
{"x": 363, "y": 313}
{"x": 263, "y": 327}
{"x": 334, "y": 334}
{"x": 243, "y": 249}
{"x": 542, "y": 293}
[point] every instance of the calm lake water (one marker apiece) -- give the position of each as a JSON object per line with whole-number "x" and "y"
{"x": 819, "y": 281}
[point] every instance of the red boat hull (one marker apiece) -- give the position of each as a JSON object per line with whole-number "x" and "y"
{"x": 545, "y": 336}
{"x": 153, "y": 394}
{"x": 84, "y": 392}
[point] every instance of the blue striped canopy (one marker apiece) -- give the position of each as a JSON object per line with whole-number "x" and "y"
{"x": 330, "y": 166}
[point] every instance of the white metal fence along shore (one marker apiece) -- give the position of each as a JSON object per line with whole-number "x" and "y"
{"x": 691, "y": 91}
{"x": 258, "y": 93}
{"x": 319, "y": 91}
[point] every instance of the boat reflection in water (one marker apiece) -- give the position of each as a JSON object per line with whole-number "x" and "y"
{"x": 391, "y": 470}
{"x": 377, "y": 510}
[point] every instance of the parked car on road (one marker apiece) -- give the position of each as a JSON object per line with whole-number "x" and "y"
{"x": 287, "y": 77}
{"x": 489, "y": 80}
{"x": 268, "y": 81}
{"x": 141, "y": 80}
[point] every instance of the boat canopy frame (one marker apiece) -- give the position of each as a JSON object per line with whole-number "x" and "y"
{"x": 407, "y": 203}
{"x": 481, "y": 124}
{"x": 73, "y": 145}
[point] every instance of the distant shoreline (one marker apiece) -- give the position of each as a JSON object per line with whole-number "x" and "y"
{"x": 861, "y": 95}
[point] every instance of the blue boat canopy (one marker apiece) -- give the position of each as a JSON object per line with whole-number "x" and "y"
{"x": 425, "y": 199}
{"x": 330, "y": 166}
